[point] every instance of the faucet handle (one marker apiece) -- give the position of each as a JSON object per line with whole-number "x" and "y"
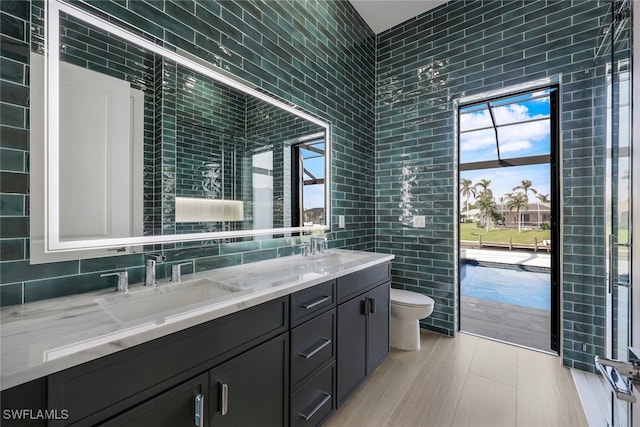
{"x": 156, "y": 257}
{"x": 176, "y": 271}
{"x": 123, "y": 280}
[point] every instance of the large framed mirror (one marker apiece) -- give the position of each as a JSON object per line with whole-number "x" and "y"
{"x": 145, "y": 145}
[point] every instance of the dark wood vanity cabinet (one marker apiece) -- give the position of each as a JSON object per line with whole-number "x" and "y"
{"x": 313, "y": 355}
{"x": 363, "y": 327}
{"x": 129, "y": 382}
{"x": 286, "y": 362}
{"x": 173, "y": 408}
{"x": 253, "y": 388}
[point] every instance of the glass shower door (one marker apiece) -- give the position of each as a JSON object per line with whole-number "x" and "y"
{"x": 619, "y": 200}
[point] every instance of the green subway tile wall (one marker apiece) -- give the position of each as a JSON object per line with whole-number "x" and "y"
{"x": 396, "y": 89}
{"x": 318, "y": 55}
{"x": 471, "y": 47}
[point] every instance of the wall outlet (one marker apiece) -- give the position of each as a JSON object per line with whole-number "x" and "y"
{"x": 340, "y": 221}
{"x": 418, "y": 221}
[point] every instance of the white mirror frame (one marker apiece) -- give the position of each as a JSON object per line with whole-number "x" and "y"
{"x": 51, "y": 142}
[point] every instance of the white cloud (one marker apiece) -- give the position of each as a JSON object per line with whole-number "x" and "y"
{"x": 515, "y": 138}
{"x": 514, "y": 146}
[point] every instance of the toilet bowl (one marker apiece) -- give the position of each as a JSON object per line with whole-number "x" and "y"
{"x": 407, "y": 308}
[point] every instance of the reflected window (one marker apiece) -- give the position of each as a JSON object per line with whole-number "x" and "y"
{"x": 308, "y": 172}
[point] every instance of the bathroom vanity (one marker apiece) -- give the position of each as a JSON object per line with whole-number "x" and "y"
{"x": 283, "y": 342}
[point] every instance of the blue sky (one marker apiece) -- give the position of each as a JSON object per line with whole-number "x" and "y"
{"x": 518, "y": 140}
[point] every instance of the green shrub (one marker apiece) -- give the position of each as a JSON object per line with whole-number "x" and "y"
{"x": 545, "y": 226}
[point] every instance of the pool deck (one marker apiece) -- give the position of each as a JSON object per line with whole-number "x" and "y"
{"x": 525, "y": 326}
{"x": 507, "y": 257}
{"x": 530, "y": 327}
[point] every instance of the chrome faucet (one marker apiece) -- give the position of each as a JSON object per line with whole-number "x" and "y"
{"x": 318, "y": 244}
{"x": 150, "y": 269}
{"x": 123, "y": 280}
{"x": 176, "y": 272}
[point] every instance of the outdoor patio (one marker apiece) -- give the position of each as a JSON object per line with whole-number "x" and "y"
{"x": 516, "y": 324}
{"x": 526, "y": 326}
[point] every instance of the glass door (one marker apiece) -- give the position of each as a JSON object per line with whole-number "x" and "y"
{"x": 619, "y": 200}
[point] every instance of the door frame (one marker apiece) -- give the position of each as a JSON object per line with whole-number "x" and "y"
{"x": 555, "y": 162}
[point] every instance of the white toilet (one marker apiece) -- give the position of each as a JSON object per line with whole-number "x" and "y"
{"x": 407, "y": 308}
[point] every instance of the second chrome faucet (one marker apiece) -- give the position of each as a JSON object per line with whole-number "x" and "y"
{"x": 150, "y": 269}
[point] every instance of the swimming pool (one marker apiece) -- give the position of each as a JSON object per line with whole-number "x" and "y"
{"x": 506, "y": 285}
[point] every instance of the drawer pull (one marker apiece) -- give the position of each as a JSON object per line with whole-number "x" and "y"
{"x": 324, "y": 400}
{"x": 312, "y": 351}
{"x": 224, "y": 398}
{"x": 316, "y": 302}
{"x": 199, "y": 418}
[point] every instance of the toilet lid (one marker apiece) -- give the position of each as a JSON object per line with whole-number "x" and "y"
{"x": 408, "y": 298}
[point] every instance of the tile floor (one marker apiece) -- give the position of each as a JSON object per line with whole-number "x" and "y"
{"x": 464, "y": 381}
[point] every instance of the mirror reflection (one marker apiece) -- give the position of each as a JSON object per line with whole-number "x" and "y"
{"x": 150, "y": 145}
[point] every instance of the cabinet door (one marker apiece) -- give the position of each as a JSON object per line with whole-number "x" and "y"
{"x": 351, "y": 351}
{"x": 377, "y": 326}
{"x": 252, "y": 389}
{"x": 174, "y": 408}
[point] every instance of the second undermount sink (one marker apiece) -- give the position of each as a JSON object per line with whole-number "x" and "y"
{"x": 163, "y": 300}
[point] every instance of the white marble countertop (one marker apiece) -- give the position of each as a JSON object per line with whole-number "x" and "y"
{"x": 45, "y": 337}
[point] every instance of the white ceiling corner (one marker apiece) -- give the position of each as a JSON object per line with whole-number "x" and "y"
{"x": 381, "y": 15}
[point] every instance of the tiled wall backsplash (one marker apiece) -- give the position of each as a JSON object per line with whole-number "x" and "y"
{"x": 318, "y": 55}
{"x": 471, "y": 47}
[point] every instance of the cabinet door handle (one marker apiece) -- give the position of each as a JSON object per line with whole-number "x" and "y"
{"x": 316, "y": 408}
{"x": 365, "y": 307}
{"x": 199, "y": 418}
{"x": 316, "y": 302}
{"x": 312, "y": 351}
{"x": 372, "y": 305}
{"x": 224, "y": 398}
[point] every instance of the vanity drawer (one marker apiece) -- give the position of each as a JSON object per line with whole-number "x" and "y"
{"x": 315, "y": 401}
{"x": 356, "y": 283}
{"x": 312, "y": 345}
{"x": 307, "y": 303}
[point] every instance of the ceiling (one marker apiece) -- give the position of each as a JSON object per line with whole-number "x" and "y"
{"x": 384, "y": 14}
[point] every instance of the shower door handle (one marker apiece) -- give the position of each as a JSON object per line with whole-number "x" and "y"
{"x": 613, "y": 247}
{"x": 617, "y": 375}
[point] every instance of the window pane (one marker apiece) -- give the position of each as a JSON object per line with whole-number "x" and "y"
{"x": 475, "y": 118}
{"x": 522, "y": 111}
{"x": 313, "y": 204}
{"x": 478, "y": 146}
{"x": 315, "y": 167}
{"x": 525, "y": 139}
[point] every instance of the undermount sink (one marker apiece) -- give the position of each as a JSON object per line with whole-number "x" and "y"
{"x": 162, "y": 300}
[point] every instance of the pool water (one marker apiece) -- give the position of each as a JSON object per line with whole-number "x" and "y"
{"x": 509, "y": 286}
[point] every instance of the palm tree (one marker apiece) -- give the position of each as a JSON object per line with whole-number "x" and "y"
{"x": 484, "y": 199}
{"x": 467, "y": 189}
{"x": 525, "y": 186}
{"x": 484, "y": 186}
{"x": 517, "y": 201}
{"x": 542, "y": 198}
{"x": 487, "y": 205}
